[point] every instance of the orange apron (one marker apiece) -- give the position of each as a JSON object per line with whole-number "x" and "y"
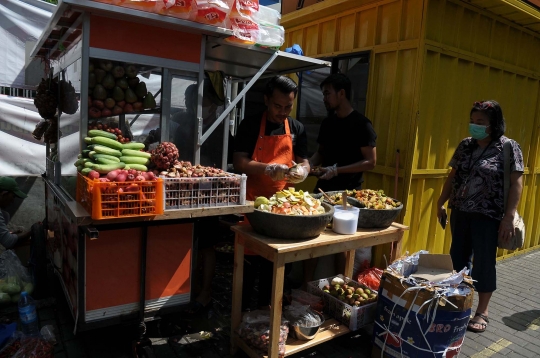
{"x": 270, "y": 149}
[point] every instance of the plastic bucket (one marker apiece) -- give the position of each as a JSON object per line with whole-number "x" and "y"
{"x": 345, "y": 221}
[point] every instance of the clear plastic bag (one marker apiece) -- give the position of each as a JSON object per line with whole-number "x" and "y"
{"x": 180, "y": 9}
{"x": 211, "y": 12}
{"x": 267, "y": 15}
{"x": 255, "y": 330}
{"x": 407, "y": 265}
{"x": 47, "y": 332}
{"x": 14, "y": 278}
{"x": 21, "y": 346}
{"x": 271, "y": 36}
{"x": 301, "y": 316}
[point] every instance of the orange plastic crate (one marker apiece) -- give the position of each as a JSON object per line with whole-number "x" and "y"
{"x": 119, "y": 200}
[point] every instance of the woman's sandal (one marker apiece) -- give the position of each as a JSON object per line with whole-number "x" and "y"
{"x": 483, "y": 325}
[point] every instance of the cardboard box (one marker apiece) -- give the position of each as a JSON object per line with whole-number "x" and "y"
{"x": 432, "y": 267}
{"x": 288, "y": 6}
{"x": 409, "y": 317}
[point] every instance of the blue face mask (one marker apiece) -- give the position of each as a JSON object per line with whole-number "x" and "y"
{"x": 477, "y": 131}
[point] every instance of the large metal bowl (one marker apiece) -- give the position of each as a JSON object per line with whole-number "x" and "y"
{"x": 290, "y": 227}
{"x": 307, "y": 333}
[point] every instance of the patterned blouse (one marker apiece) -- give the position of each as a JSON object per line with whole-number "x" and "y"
{"x": 478, "y": 186}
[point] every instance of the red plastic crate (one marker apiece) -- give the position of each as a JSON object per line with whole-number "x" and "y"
{"x": 118, "y": 200}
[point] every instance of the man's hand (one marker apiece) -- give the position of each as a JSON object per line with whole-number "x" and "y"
{"x": 299, "y": 176}
{"x": 276, "y": 171}
{"x": 329, "y": 172}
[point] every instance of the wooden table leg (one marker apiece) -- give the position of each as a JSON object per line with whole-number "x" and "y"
{"x": 238, "y": 278}
{"x": 275, "y": 312}
{"x": 396, "y": 248}
{"x": 349, "y": 263}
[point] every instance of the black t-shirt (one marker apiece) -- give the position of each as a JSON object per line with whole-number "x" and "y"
{"x": 341, "y": 140}
{"x": 248, "y": 131}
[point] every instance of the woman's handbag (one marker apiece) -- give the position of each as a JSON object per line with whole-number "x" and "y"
{"x": 515, "y": 242}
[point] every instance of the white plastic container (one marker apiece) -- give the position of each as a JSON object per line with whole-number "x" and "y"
{"x": 345, "y": 221}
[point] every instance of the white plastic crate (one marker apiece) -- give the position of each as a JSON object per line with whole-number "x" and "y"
{"x": 184, "y": 193}
{"x": 351, "y": 316}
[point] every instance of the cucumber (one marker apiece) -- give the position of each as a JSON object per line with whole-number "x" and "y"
{"x": 135, "y": 153}
{"x": 88, "y": 140}
{"x": 92, "y": 153}
{"x": 80, "y": 156}
{"x": 86, "y": 153}
{"x": 90, "y": 147}
{"x": 82, "y": 161}
{"x": 111, "y": 143}
{"x": 133, "y": 145}
{"x": 134, "y": 160}
{"x": 99, "y": 133}
{"x": 140, "y": 167}
{"x": 105, "y": 156}
{"x": 85, "y": 171}
{"x": 80, "y": 168}
{"x": 106, "y": 168}
{"x": 106, "y": 161}
{"x": 106, "y": 150}
{"x": 89, "y": 164}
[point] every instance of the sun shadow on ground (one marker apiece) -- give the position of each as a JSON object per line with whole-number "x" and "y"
{"x": 522, "y": 321}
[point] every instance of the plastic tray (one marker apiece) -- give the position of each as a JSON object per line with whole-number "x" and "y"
{"x": 180, "y": 193}
{"x": 118, "y": 200}
{"x": 351, "y": 316}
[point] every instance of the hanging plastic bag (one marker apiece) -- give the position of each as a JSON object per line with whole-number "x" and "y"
{"x": 255, "y": 330}
{"x": 371, "y": 278}
{"x": 14, "y": 278}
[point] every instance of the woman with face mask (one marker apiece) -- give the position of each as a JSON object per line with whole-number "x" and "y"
{"x": 475, "y": 191}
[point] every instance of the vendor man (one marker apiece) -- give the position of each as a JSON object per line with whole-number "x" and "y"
{"x": 265, "y": 148}
{"x": 8, "y": 191}
{"x": 346, "y": 147}
{"x": 346, "y": 139}
{"x": 267, "y": 145}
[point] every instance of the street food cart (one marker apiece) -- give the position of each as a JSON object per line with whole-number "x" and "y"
{"x": 134, "y": 267}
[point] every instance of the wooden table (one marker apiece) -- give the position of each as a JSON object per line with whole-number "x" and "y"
{"x": 281, "y": 252}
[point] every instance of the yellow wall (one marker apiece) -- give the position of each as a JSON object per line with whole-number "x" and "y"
{"x": 471, "y": 55}
{"x": 430, "y": 60}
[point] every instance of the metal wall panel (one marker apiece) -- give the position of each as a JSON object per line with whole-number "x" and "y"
{"x": 391, "y": 30}
{"x": 471, "y": 55}
{"x": 430, "y": 60}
